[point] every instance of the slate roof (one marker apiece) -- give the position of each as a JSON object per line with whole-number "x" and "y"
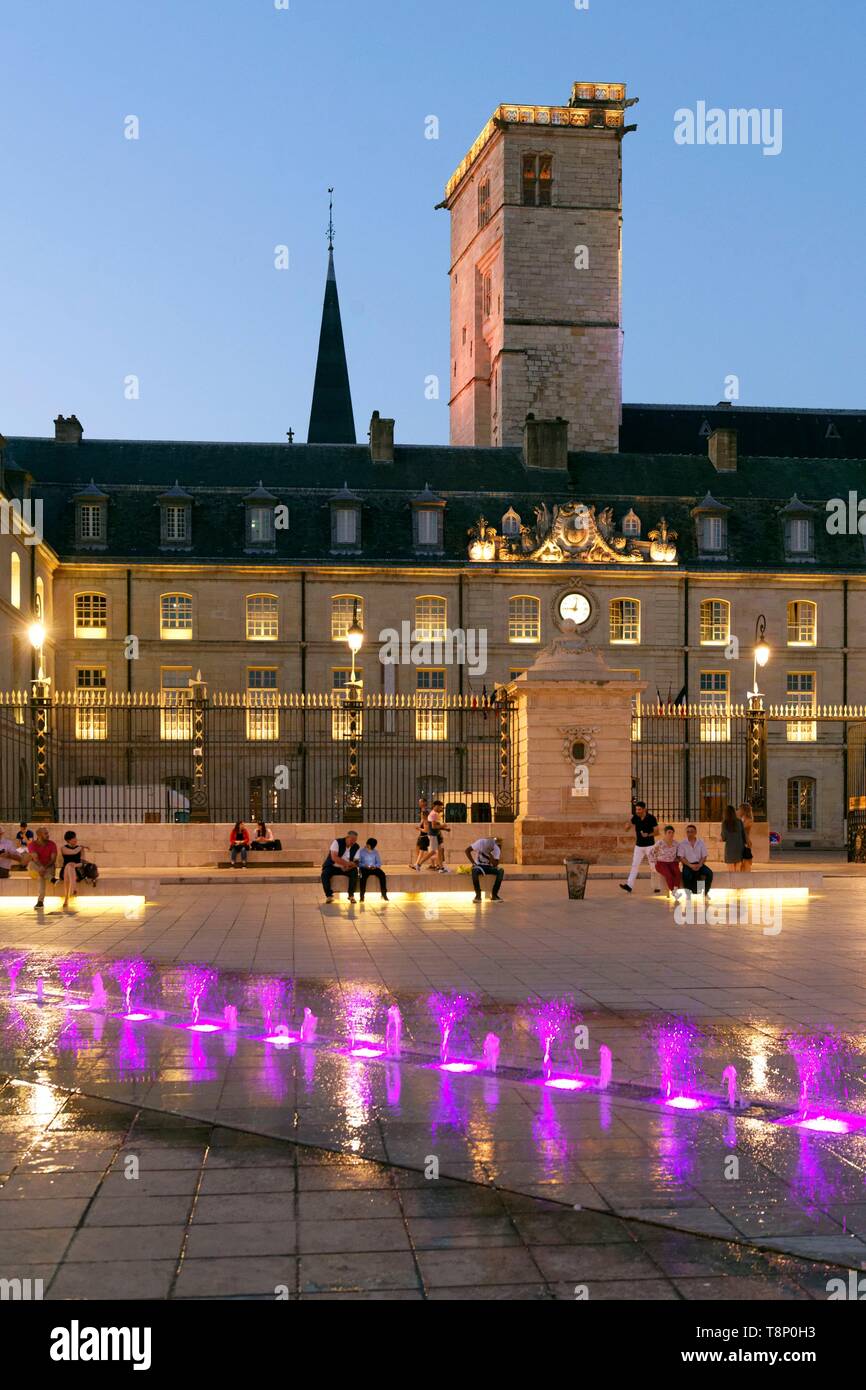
{"x": 471, "y": 481}
{"x": 762, "y": 431}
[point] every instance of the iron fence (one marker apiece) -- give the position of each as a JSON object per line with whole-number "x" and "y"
{"x": 114, "y": 757}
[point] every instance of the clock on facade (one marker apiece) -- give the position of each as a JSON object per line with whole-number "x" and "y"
{"x": 574, "y": 608}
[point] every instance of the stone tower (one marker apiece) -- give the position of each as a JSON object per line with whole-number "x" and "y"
{"x": 536, "y": 272}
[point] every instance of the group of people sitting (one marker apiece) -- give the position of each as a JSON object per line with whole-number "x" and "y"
{"x": 45, "y": 863}
{"x": 241, "y": 842}
{"x": 346, "y": 856}
{"x": 683, "y": 863}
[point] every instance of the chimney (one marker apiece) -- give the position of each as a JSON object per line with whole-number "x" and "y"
{"x": 67, "y": 431}
{"x": 723, "y": 450}
{"x": 545, "y": 443}
{"x": 381, "y": 439}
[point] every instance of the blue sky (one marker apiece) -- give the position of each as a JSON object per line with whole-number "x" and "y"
{"x": 155, "y": 257}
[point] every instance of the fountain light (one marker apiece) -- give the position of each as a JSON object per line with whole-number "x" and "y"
{"x": 278, "y": 1039}
{"x": 824, "y": 1122}
{"x": 458, "y": 1066}
{"x": 102, "y": 903}
{"x": 204, "y": 1028}
{"x": 365, "y": 1051}
{"x": 685, "y": 1103}
{"x": 567, "y": 1083}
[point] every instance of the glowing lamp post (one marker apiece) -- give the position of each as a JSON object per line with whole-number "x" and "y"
{"x": 353, "y": 800}
{"x": 757, "y": 782}
{"x": 40, "y": 713}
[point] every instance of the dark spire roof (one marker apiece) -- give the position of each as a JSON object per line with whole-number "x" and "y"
{"x": 331, "y": 417}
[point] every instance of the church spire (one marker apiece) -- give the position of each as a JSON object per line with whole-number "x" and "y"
{"x": 331, "y": 418}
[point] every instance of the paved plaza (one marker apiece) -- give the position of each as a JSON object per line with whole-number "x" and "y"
{"x": 384, "y": 1176}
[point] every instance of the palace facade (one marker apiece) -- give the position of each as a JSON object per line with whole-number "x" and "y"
{"x": 662, "y": 533}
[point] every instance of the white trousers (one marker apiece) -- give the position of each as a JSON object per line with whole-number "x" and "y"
{"x": 641, "y": 852}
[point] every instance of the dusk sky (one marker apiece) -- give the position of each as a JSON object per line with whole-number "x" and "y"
{"x": 155, "y": 257}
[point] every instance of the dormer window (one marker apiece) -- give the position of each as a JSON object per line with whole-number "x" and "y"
{"x": 428, "y": 521}
{"x": 511, "y": 523}
{"x": 799, "y": 529}
{"x": 631, "y": 524}
{"x": 259, "y": 506}
{"x": 345, "y": 520}
{"x": 175, "y": 519}
{"x": 711, "y": 519}
{"x": 91, "y": 509}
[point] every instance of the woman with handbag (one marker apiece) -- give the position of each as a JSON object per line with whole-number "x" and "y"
{"x": 744, "y": 811}
{"x": 734, "y": 840}
{"x": 72, "y": 866}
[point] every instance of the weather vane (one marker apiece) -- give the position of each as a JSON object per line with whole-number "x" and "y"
{"x": 331, "y": 219}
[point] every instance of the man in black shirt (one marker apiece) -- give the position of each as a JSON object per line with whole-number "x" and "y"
{"x": 645, "y": 834}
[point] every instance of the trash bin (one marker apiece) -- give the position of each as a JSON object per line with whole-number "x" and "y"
{"x": 455, "y": 811}
{"x": 576, "y": 871}
{"x": 480, "y": 811}
{"x": 181, "y": 817}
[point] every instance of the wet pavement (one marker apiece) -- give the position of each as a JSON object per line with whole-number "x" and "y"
{"x": 726, "y": 1189}
{"x": 106, "y": 1200}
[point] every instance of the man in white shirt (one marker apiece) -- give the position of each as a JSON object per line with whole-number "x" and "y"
{"x": 342, "y": 859}
{"x": 10, "y": 853}
{"x": 692, "y": 854}
{"x": 484, "y": 856}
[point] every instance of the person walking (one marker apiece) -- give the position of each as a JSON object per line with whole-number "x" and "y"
{"x": 239, "y": 844}
{"x": 42, "y": 853}
{"x": 744, "y": 811}
{"x": 370, "y": 864}
{"x": 484, "y": 856}
{"x": 438, "y": 830}
{"x": 665, "y": 861}
{"x": 422, "y": 846}
{"x": 734, "y": 839}
{"x": 692, "y": 854}
{"x": 645, "y": 833}
{"x": 342, "y": 859}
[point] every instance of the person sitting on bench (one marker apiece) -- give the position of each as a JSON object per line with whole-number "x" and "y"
{"x": 239, "y": 843}
{"x": 692, "y": 854}
{"x": 370, "y": 862}
{"x": 484, "y": 856}
{"x": 264, "y": 839}
{"x": 342, "y": 859}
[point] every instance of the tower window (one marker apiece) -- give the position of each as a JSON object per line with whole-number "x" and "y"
{"x": 487, "y": 295}
{"x": 483, "y": 203}
{"x": 537, "y": 180}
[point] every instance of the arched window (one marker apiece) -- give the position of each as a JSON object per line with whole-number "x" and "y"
{"x": 801, "y": 803}
{"x": 625, "y": 620}
{"x": 511, "y": 523}
{"x": 631, "y": 524}
{"x": 15, "y": 580}
{"x": 715, "y": 622}
{"x": 343, "y": 614}
{"x": 175, "y": 617}
{"x": 39, "y": 608}
{"x": 524, "y": 618}
{"x": 263, "y": 619}
{"x": 431, "y": 618}
{"x": 802, "y": 623}
{"x": 91, "y": 615}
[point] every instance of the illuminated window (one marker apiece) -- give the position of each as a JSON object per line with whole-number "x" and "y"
{"x": 715, "y": 622}
{"x": 801, "y": 803}
{"x": 625, "y": 620}
{"x": 343, "y": 615}
{"x": 631, "y": 524}
{"x": 175, "y": 711}
{"x": 431, "y": 619}
{"x": 802, "y": 623}
{"x": 263, "y": 718}
{"x": 524, "y": 619}
{"x": 175, "y": 617}
{"x": 714, "y": 727}
{"x": 91, "y": 615}
{"x": 91, "y": 716}
{"x": 263, "y": 620}
{"x": 15, "y": 580}
{"x": 484, "y": 213}
{"x": 431, "y": 720}
{"x": 800, "y": 693}
{"x": 537, "y": 180}
{"x": 346, "y": 723}
{"x": 511, "y": 523}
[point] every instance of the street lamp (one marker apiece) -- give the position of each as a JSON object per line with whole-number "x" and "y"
{"x": 355, "y": 639}
{"x": 761, "y": 655}
{"x": 36, "y": 633}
